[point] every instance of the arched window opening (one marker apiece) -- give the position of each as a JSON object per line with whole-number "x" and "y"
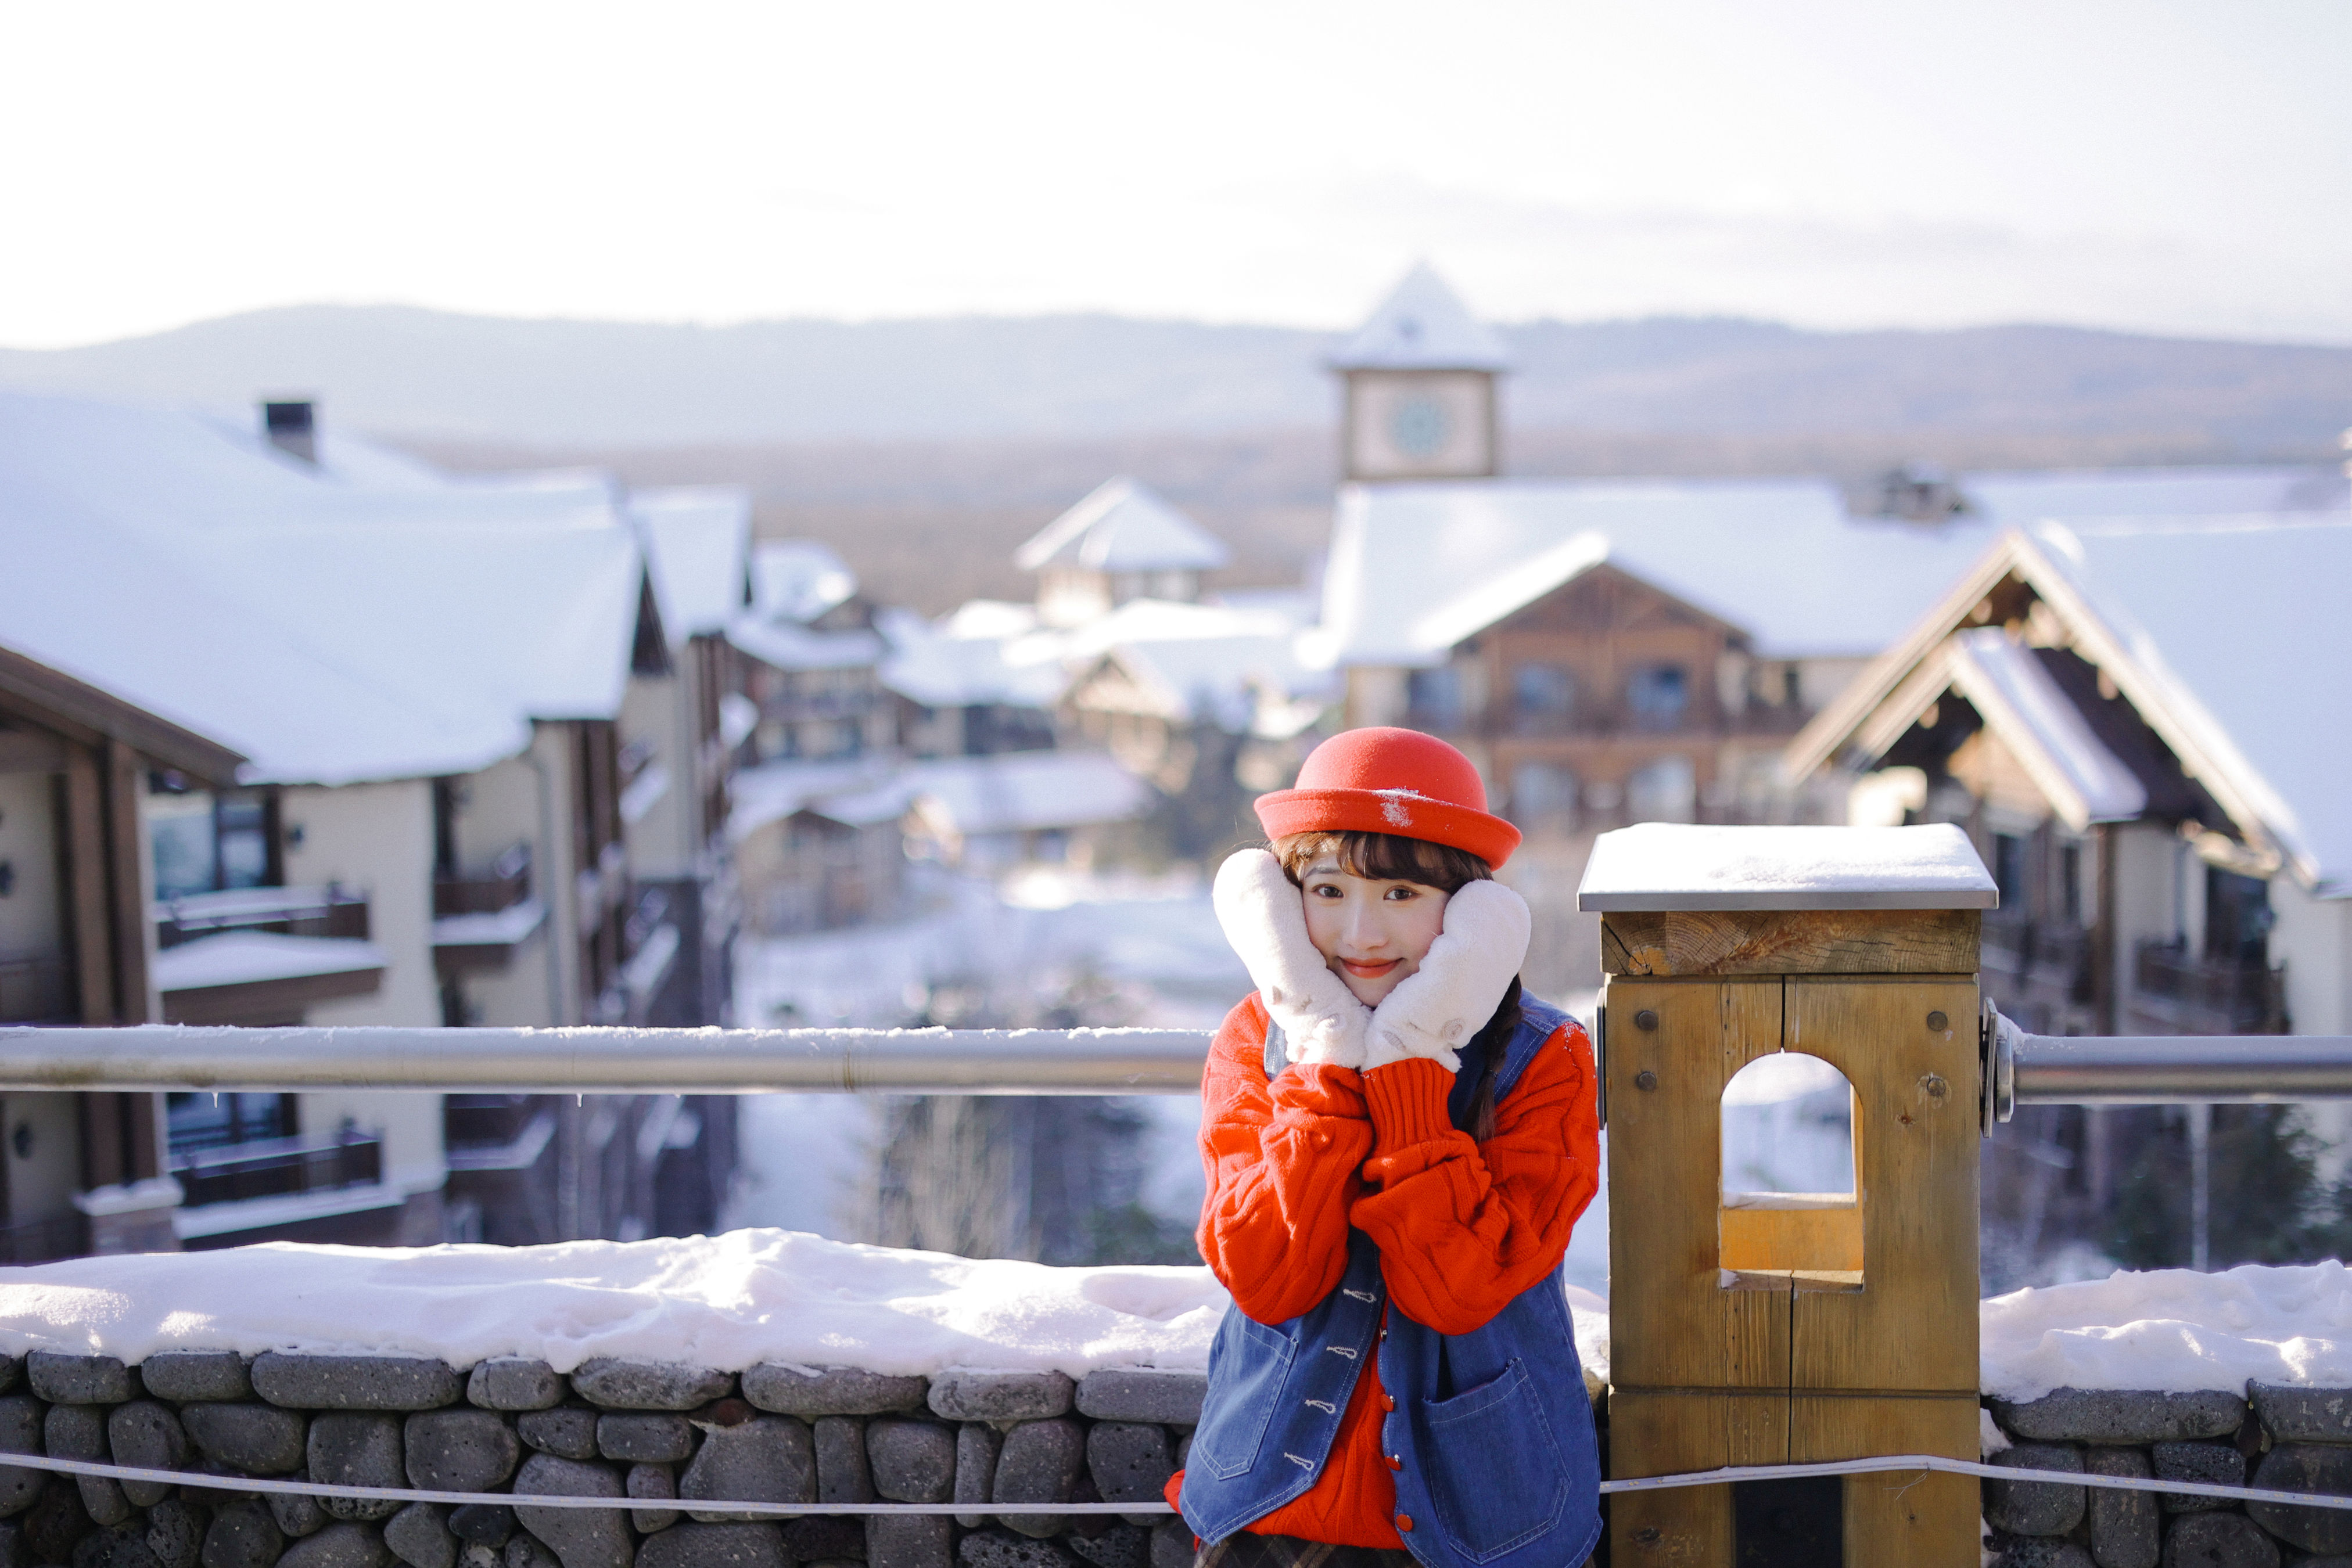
{"x": 1791, "y": 1197}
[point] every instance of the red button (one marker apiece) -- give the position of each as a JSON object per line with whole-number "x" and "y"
{"x": 1396, "y": 1461}
{"x": 1387, "y": 1402}
{"x": 1404, "y": 1524}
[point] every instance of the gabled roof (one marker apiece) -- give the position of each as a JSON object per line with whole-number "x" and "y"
{"x": 1423, "y": 326}
{"x": 697, "y": 540}
{"x": 2226, "y": 634}
{"x": 2010, "y": 690}
{"x": 1202, "y": 662}
{"x": 1123, "y": 526}
{"x": 798, "y": 580}
{"x": 354, "y": 619}
{"x": 788, "y": 645}
{"x": 1025, "y": 791}
{"x": 972, "y": 659}
{"x": 1417, "y": 568}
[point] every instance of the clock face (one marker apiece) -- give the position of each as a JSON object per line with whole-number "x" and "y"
{"x": 1419, "y": 426}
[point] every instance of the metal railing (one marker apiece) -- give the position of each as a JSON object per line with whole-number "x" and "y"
{"x": 2243, "y": 997}
{"x": 2022, "y": 1069}
{"x": 504, "y": 885}
{"x": 608, "y": 1061}
{"x": 330, "y": 911}
{"x": 276, "y": 1168}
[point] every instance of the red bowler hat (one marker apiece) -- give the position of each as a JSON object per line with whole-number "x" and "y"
{"x": 1382, "y": 780}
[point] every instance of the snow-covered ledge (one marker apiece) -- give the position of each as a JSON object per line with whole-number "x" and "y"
{"x": 760, "y": 1366}
{"x": 769, "y": 1366}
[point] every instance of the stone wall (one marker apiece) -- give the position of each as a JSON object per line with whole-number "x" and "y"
{"x": 658, "y": 1437}
{"x": 2289, "y": 1438}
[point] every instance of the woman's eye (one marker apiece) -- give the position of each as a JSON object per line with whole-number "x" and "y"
{"x": 1400, "y": 894}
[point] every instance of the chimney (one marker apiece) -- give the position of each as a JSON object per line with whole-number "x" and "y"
{"x": 292, "y": 427}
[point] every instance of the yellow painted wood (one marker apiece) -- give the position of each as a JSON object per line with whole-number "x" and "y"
{"x": 1792, "y": 1237}
{"x": 1790, "y": 942}
{"x": 1915, "y": 1519}
{"x": 1672, "y": 1324}
{"x": 1913, "y": 1325}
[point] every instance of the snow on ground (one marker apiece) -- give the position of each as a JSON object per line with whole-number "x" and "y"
{"x": 2173, "y": 1329}
{"x": 727, "y": 1301}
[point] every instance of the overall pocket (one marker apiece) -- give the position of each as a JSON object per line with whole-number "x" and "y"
{"x": 1493, "y": 1468}
{"x": 1247, "y": 1369}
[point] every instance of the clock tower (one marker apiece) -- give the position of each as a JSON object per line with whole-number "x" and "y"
{"x": 1420, "y": 378}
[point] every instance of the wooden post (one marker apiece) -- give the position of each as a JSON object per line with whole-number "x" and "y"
{"x": 1820, "y": 1329}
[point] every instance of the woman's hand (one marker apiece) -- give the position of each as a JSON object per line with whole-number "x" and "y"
{"x": 1266, "y": 920}
{"x": 1457, "y": 986}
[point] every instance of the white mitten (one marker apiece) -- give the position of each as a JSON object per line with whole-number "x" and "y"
{"x": 1266, "y": 920}
{"x": 1455, "y": 990}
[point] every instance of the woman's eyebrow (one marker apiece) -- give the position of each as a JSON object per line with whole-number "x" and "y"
{"x": 1324, "y": 868}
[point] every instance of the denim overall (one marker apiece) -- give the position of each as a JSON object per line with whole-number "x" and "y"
{"x": 1501, "y": 1467}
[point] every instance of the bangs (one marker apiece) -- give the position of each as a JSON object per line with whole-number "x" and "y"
{"x": 1384, "y": 857}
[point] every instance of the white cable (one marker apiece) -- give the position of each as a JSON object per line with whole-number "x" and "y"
{"x": 205, "y": 1482}
{"x": 1879, "y": 1464}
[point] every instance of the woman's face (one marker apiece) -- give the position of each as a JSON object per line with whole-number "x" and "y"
{"x": 1372, "y": 933}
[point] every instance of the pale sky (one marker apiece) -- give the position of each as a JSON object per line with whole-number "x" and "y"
{"x": 2156, "y": 164}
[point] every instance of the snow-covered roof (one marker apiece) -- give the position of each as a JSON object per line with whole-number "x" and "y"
{"x": 2013, "y": 692}
{"x": 2019, "y": 499}
{"x": 773, "y": 790}
{"x": 1123, "y": 526}
{"x": 1025, "y": 791}
{"x": 972, "y": 660}
{"x": 1423, "y": 325}
{"x": 1195, "y": 662}
{"x": 789, "y": 645}
{"x": 2226, "y": 634}
{"x": 1418, "y": 568}
{"x": 798, "y": 580}
{"x": 1673, "y": 866}
{"x": 346, "y": 620}
{"x": 698, "y": 538}
{"x": 2237, "y": 628}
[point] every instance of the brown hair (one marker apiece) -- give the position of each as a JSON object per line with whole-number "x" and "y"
{"x": 1391, "y": 857}
{"x": 1384, "y": 857}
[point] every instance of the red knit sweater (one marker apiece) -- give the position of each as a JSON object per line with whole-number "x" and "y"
{"x": 1462, "y": 1227}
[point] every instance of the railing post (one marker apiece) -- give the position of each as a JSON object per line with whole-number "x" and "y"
{"x": 1822, "y": 1332}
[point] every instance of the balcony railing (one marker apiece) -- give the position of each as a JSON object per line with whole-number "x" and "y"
{"x": 504, "y": 885}
{"x": 43, "y": 1241}
{"x": 278, "y": 1168}
{"x": 2215, "y": 995}
{"x": 330, "y": 911}
{"x": 35, "y": 990}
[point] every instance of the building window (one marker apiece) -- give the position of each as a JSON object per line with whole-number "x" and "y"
{"x": 2009, "y": 873}
{"x": 1544, "y": 692}
{"x": 1434, "y": 696}
{"x": 1658, "y": 695}
{"x": 2070, "y": 881}
{"x": 2238, "y": 917}
{"x": 205, "y": 844}
{"x": 207, "y": 1121}
{"x": 1543, "y": 794}
{"x": 1664, "y": 791}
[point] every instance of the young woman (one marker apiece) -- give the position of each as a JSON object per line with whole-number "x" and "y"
{"x": 1398, "y": 1142}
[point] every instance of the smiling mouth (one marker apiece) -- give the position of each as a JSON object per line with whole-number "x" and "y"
{"x": 1369, "y": 971}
